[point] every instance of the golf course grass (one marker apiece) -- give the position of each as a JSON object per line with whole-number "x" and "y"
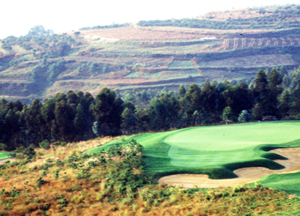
{"x": 4, "y": 155}
{"x": 287, "y": 182}
{"x": 215, "y": 150}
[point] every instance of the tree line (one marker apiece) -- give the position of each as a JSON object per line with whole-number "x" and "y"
{"x": 80, "y": 116}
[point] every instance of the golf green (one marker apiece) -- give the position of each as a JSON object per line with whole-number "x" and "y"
{"x": 215, "y": 150}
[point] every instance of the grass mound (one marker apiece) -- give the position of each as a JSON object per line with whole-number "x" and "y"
{"x": 215, "y": 150}
{"x": 287, "y": 182}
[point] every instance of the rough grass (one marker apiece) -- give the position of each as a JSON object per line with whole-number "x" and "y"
{"x": 215, "y": 150}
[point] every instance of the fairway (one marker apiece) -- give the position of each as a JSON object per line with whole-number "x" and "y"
{"x": 215, "y": 150}
{"x": 4, "y": 155}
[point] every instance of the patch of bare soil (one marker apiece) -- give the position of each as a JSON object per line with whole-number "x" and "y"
{"x": 245, "y": 175}
{"x": 2, "y": 161}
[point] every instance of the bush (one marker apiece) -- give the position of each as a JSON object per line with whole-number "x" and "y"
{"x": 58, "y": 143}
{"x": 45, "y": 144}
{"x": 244, "y": 116}
{"x": 30, "y": 152}
{"x": 269, "y": 118}
{"x": 13, "y": 154}
{"x": 3, "y": 146}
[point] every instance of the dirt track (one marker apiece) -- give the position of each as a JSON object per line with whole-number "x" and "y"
{"x": 245, "y": 175}
{"x": 6, "y": 159}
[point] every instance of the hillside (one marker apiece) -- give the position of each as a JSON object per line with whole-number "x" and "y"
{"x": 150, "y": 54}
{"x": 64, "y": 180}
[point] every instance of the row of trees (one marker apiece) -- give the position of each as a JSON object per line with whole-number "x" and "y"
{"x": 79, "y": 116}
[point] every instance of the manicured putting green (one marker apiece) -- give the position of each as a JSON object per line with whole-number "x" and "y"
{"x": 215, "y": 150}
{"x": 4, "y": 155}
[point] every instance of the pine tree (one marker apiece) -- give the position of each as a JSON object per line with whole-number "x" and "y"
{"x": 284, "y": 103}
{"x": 107, "y": 111}
{"x": 80, "y": 122}
{"x": 181, "y": 91}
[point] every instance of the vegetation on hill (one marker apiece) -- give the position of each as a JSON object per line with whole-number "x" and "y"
{"x": 79, "y": 116}
{"x": 64, "y": 180}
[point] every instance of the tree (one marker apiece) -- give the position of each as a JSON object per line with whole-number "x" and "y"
{"x": 284, "y": 103}
{"x": 63, "y": 128}
{"x": 257, "y": 112}
{"x": 34, "y": 121}
{"x": 128, "y": 120}
{"x": 244, "y": 116}
{"x": 266, "y": 93}
{"x": 193, "y": 99}
{"x": 286, "y": 81}
{"x": 157, "y": 115}
{"x": 181, "y": 91}
{"x": 208, "y": 98}
{"x": 94, "y": 67}
{"x": 107, "y": 111}
{"x": 227, "y": 114}
{"x": 80, "y": 122}
{"x": 261, "y": 82}
{"x": 39, "y": 30}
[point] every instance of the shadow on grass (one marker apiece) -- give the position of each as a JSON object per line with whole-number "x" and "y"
{"x": 226, "y": 171}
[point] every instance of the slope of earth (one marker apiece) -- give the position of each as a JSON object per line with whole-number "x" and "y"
{"x": 215, "y": 150}
{"x": 66, "y": 181}
{"x": 151, "y": 54}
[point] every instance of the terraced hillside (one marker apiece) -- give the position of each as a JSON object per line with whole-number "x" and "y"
{"x": 151, "y": 54}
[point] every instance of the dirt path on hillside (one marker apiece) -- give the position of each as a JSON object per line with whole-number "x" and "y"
{"x": 245, "y": 175}
{"x": 6, "y": 159}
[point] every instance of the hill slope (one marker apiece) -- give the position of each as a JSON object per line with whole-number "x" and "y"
{"x": 151, "y": 54}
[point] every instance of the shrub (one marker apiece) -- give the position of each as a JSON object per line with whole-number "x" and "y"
{"x": 60, "y": 143}
{"x": 59, "y": 163}
{"x": 83, "y": 174}
{"x": 244, "y": 116}
{"x": 269, "y": 118}
{"x": 13, "y": 154}
{"x": 3, "y": 146}
{"x": 56, "y": 174}
{"x": 20, "y": 156}
{"x": 45, "y": 144}
{"x": 40, "y": 181}
{"x": 30, "y": 152}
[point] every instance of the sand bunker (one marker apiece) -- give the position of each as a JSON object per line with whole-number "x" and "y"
{"x": 245, "y": 175}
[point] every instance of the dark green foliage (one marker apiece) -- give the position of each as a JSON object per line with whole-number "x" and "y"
{"x": 126, "y": 158}
{"x": 78, "y": 116}
{"x": 39, "y": 30}
{"x": 30, "y": 152}
{"x": 55, "y": 69}
{"x": 40, "y": 181}
{"x": 59, "y": 163}
{"x": 45, "y": 144}
{"x": 73, "y": 158}
{"x": 84, "y": 173}
{"x": 3, "y": 146}
{"x": 227, "y": 114}
{"x": 62, "y": 201}
{"x": 244, "y": 116}
{"x": 6, "y": 47}
{"x": 107, "y": 111}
